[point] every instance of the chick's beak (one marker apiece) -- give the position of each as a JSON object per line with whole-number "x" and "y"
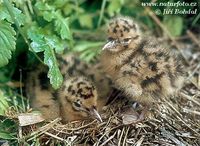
{"x": 93, "y": 112}
{"x": 109, "y": 45}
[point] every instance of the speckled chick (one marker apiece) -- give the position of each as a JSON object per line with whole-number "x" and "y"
{"x": 75, "y": 100}
{"x": 78, "y": 99}
{"x": 70, "y": 64}
{"x": 139, "y": 66}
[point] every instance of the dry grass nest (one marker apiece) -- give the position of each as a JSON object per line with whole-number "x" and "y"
{"x": 174, "y": 121}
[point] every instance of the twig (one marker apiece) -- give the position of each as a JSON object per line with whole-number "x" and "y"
{"x": 125, "y": 137}
{"x": 186, "y": 110}
{"x": 21, "y": 93}
{"x": 193, "y": 38}
{"x": 120, "y": 138}
{"x": 188, "y": 126}
{"x": 179, "y": 117}
{"x": 193, "y": 72}
{"x": 189, "y": 98}
{"x": 111, "y": 137}
{"x": 42, "y": 129}
{"x": 20, "y": 132}
{"x": 139, "y": 142}
{"x": 84, "y": 126}
{"x": 54, "y": 136}
{"x": 173, "y": 108}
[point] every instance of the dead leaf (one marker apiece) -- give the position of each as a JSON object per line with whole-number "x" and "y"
{"x": 30, "y": 118}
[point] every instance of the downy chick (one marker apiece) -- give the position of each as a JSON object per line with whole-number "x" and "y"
{"x": 144, "y": 70}
{"x": 78, "y": 99}
{"x": 62, "y": 102}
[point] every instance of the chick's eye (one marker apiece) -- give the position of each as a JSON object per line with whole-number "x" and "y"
{"x": 110, "y": 39}
{"x": 77, "y": 105}
{"x": 127, "y": 39}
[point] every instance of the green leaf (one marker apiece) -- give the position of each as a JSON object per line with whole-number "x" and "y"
{"x": 83, "y": 45}
{"x": 41, "y": 41}
{"x": 54, "y": 74}
{"x": 45, "y": 10}
{"x": 55, "y": 42}
{"x": 86, "y": 20}
{"x": 7, "y": 42}
{"x": 114, "y": 7}
{"x": 88, "y": 49}
{"x": 174, "y": 24}
{"x": 62, "y": 27}
{"x": 38, "y": 43}
{"x": 88, "y": 55}
{"x": 20, "y": 17}
{"x": 6, "y": 135}
{"x": 48, "y": 16}
{"x": 47, "y": 43}
{"x": 3, "y": 103}
{"x": 40, "y": 5}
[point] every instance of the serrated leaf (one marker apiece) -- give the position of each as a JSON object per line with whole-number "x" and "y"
{"x": 70, "y": 7}
{"x": 46, "y": 10}
{"x": 47, "y": 43}
{"x": 7, "y": 42}
{"x": 19, "y": 16}
{"x": 54, "y": 74}
{"x": 40, "y": 41}
{"x": 38, "y": 44}
{"x": 40, "y": 5}
{"x": 62, "y": 27}
{"x": 54, "y": 42}
{"x": 174, "y": 24}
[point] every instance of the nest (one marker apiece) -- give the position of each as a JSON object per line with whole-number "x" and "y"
{"x": 173, "y": 121}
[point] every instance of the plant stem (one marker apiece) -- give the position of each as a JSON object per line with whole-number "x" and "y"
{"x": 101, "y": 13}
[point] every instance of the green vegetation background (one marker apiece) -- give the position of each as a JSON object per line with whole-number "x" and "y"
{"x": 33, "y": 32}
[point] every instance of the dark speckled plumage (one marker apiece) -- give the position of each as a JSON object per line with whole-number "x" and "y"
{"x": 138, "y": 65}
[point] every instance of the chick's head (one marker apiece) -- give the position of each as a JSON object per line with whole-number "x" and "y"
{"x": 82, "y": 95}
{"x": 122, "y": 32}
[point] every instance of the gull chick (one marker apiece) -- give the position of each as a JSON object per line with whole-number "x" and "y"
{"x": 143, "y": 69}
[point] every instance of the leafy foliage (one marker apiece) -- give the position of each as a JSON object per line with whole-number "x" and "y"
{"x": 47, "y": 44}
{"x": 19, "y": 16}
{"x": 7, "y": 42}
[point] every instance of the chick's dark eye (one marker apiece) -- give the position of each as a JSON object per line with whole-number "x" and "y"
{"x": 77, "y": 104}
{"x": 110, "y": 39}
{"x": 127, "y": 39}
